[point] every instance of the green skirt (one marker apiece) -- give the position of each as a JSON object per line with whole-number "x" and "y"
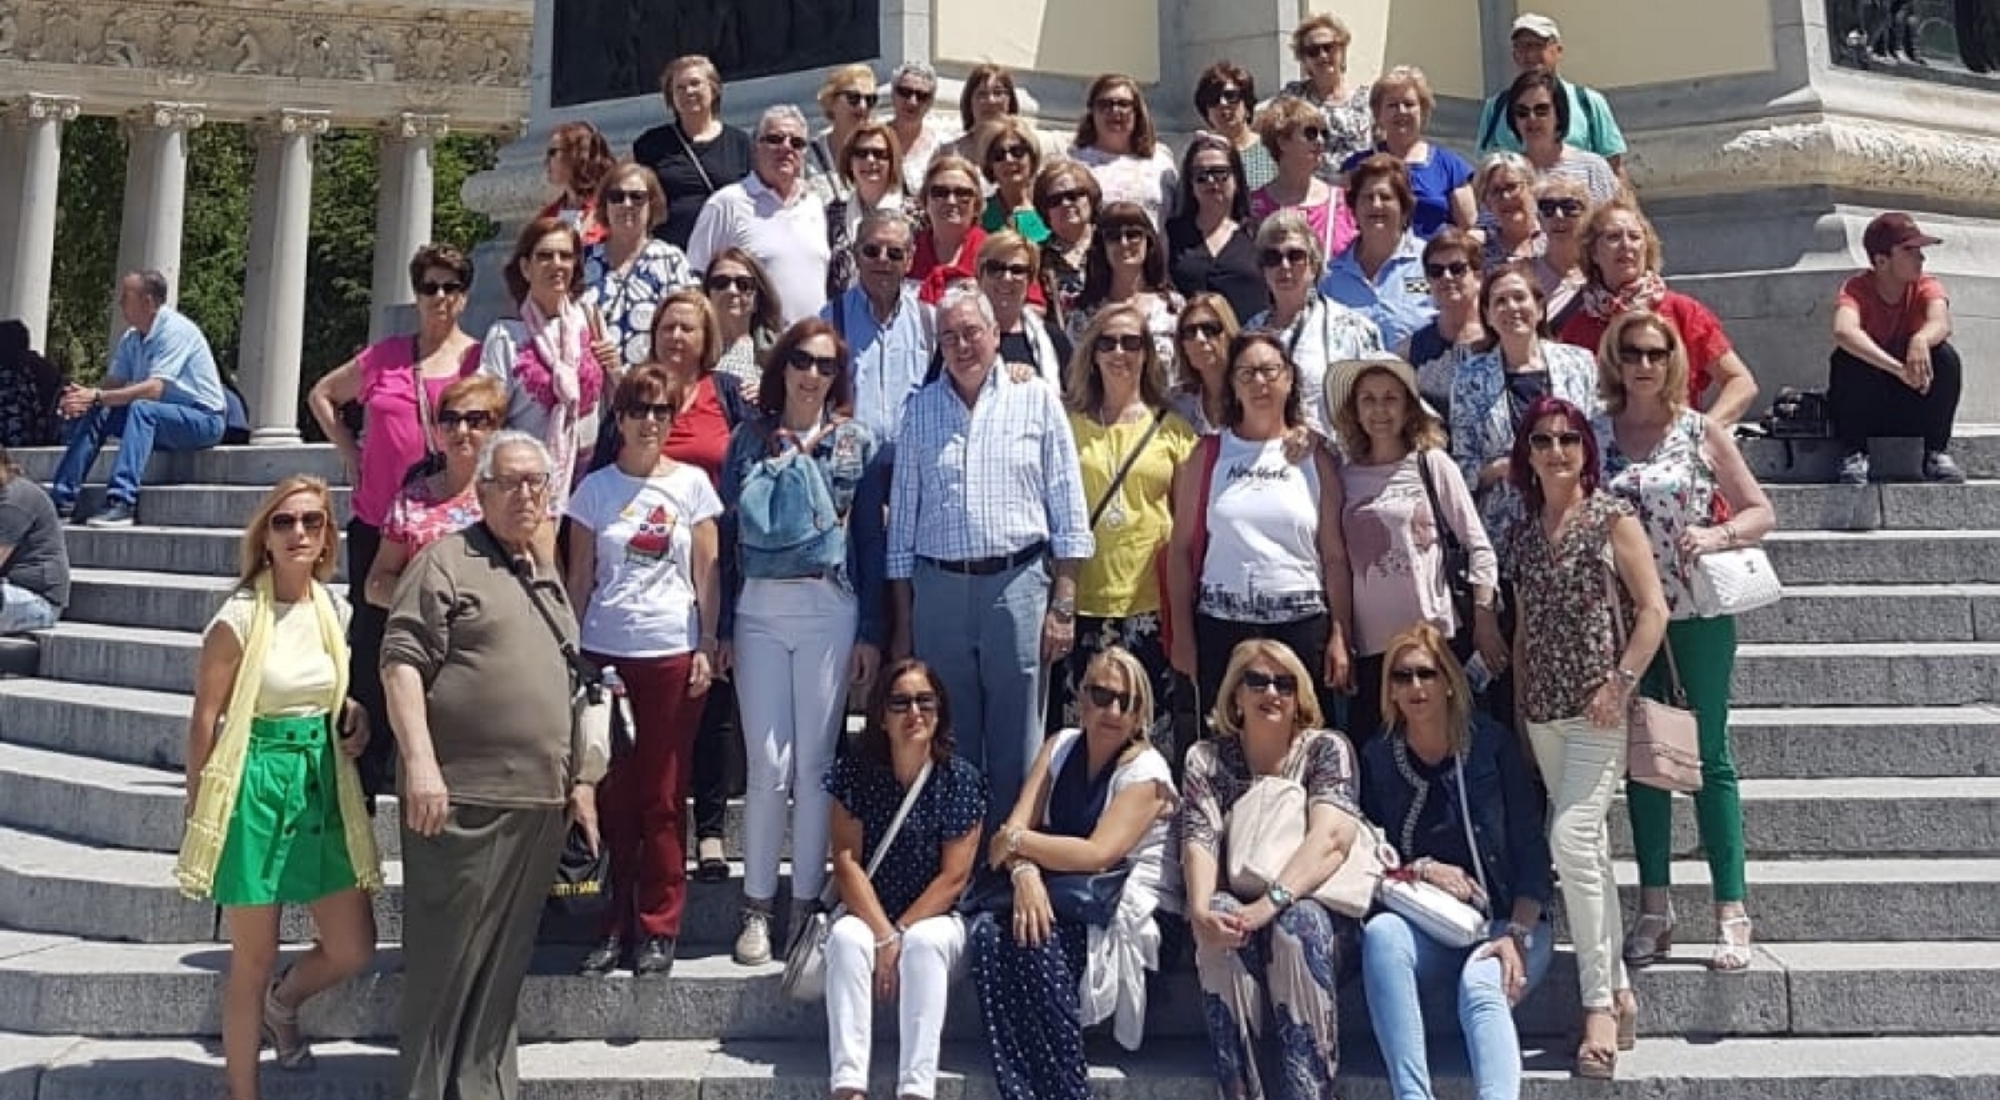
{"x": 285, "y": 841}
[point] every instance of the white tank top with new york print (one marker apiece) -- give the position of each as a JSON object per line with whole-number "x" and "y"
{"x": 1262, "y": 564}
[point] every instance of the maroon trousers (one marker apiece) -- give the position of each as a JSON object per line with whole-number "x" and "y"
{"x": 642, "y": 805}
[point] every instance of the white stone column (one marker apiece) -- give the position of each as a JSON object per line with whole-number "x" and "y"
{"x": 13, "y": 166}
{"x": 149, "y": 238}
{"x": 402, "y": 215}
{"x": 33, "y": 256}
{"x": 274, "y": 290}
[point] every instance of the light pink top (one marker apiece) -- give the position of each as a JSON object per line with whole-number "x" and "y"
{"x": 1332, "y": 222}
{"x": 1394, "y": 549}
{"x": 393, "y": 441}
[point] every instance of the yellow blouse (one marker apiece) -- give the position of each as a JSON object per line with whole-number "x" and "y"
{"x": 1120, "y": 580}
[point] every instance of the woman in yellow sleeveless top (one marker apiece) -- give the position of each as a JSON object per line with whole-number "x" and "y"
{"x": 274, "y": 800}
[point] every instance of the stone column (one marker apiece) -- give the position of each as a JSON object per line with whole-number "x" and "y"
{"x": 41, "y": 119}
{"x": 13, "y": 164}
{"x": 274, "y": 290}
{"x": 155, "y": 193}
{"x": 402, "y": 216}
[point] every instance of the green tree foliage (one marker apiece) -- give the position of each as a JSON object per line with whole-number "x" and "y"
{"x": 222, "y": 160}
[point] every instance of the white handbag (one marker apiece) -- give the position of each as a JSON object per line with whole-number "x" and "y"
{"x": 805, "y": 959}
{"x": 1432, "y": 909}
{"x": 1733, "y": 582}
{"x": 1268, "y": 823}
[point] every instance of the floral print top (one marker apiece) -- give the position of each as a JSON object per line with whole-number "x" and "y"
{"x": 1568, "y": 648}
{"x": 627, "y": 299}
{"x": 1671, "y": 489}
{"x": 1218, "y": 774}
{"x": 1350, "y": 125}
{"x": 419, "y": 516}
{"x": 1485, "y": 411}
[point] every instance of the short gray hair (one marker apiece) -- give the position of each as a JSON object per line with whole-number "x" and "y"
{"x": 877, "y": 219}
{"x": 1512, "y": 163}
{"x": 916, "y": 69}
{"x": 782, "y": 112}
{"x": 152, "y": 283}
{"x": 510, "y": 438}
{"x": 1291, "y": 222}
{"x": 966, "y": 291}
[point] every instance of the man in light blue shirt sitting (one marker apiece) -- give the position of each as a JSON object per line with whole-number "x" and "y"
{"x": 162, "y": 390}
{"x": 889, "y": 333}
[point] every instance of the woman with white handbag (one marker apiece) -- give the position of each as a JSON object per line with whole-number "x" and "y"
{"x": 1269, "y": 953}
{"x": 1450, "y": 787}
{"x": 1681, "y": 471}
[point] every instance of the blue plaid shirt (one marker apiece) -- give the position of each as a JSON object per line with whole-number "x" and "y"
{"x": 987, "y": 481}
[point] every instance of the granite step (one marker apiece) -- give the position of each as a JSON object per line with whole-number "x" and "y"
{"x": 1860, "y": 742}
{"x": 1878, "y": 613}
{"x": 1959, "y": 1068}
{"x": 120, "y": 656}
{"x": 204, "y": 551}
{"x": 156, "y": 601}
{"x": 1866, "y": 674}
{"x": 51, "y": 985}
{"x": 1886, "y": 507}
{"x": 1882, "y": 557}
{"x": 261, "y": 466}
{"x": 222, "y": 506}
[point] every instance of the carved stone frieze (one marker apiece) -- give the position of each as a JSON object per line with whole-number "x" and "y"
{"x": 1832, "y": 151}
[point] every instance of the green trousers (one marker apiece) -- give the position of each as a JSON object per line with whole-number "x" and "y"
{"x": 1705, "y": 652}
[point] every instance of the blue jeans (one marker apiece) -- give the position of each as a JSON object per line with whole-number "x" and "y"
{"x": 140, "y": 427}
{"x": 1401, "y": 967}
{"x": 983, "y": 638}
{"x": 22, "y": 610}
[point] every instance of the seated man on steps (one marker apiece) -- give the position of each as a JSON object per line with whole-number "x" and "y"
{"x": 1894, "y": 371}
{"x": 162, "y": 390}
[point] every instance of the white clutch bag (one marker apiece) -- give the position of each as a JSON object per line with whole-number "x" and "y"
{"x": 1733, "y": 582}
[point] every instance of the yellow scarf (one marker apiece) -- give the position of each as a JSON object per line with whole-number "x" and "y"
{"x": 215, "y": 801}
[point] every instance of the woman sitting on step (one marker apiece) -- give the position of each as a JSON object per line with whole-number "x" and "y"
{"x": 274, "y": 799}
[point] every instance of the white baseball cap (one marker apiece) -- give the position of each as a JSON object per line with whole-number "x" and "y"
{"x": 1541, "y": 26}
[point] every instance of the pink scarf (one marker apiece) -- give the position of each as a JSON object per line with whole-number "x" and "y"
{"x": 562, "y": 376}
{"x": 1645, "y": 292}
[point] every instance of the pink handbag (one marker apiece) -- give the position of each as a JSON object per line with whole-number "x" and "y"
{"x": 1662, "y": 741}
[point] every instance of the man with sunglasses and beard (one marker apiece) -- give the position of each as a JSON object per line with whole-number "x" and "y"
{"x": 889, "y": 333}
{"x": 772, "y": 215}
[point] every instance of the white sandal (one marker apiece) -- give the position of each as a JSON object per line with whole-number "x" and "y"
{"x": 1731, "y": 956}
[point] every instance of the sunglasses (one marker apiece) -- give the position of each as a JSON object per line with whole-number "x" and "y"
{"x": 1320, "y": 51}
{"x": 1284, "y": 257}
{"x": 1126, "y": 234}
{"x": 1015, "y": 151}
{"x": 1453, "y": 270}
{"x": 792, "y": 141}
{"x": 1568, "y": 208}
{"x": 1229, "y": 97}
{"x": 741, "y": 284}
{"x": 1312, "y": 135}
{"x": 1549, "y": 441}
{"x": 802, "y": 360}
{"x": 1211, "y": 330}
{"x": 553, "y": 255}
{"x": 1132, "y": 342}
{"x": 860, "y": 99}
{"x": 627, "y": 198}
{"x": 1114, "y": 106}
{"x": 1286, "y": 684}
{"x": 428, "y": 289}
{"x": 285, "y": 523}
{"x": 1065, "y": 198}
{"x": 922, "y": 701}
{"x": 473, "y": 420}
{"x": 914, "y": 95}
{"x": 1423, "y": 673}
{"x": 1212, "y": 176}
{"x": 994, "y": 269}
{"x": 895, "y": 254}
{"x": 873, "y": 153}
{"x": 943, "y": 193}
{"x": 1105, "y": 697}
{"x": 1654, "y": 357}
{"x": 641, "y": 410}
{"x": 1534, "y": 110}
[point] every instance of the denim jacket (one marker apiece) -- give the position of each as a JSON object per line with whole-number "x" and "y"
{"x": 1507, "y": 810}
{"x": 857, "y": 471}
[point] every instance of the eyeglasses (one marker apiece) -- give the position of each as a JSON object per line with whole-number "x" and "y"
{"x": 1534, "y": 110}
{"x": 946, "y": 193}
{"x": 914, "y": 95}
{"x": 792, "y": 141}
{"x": 1259, "y": 372}
{"x": 923, "y": 701}
{"x": 1229, "y": 97}
{"x": 1633, "y": 356}
{"x": 1112, "y": 106}
{"x": 1312, "y": 135}
{"x": 1015, "y": 151}
{"x": 1126, "y": 341}
{"x": 895, "y": 254}
{"x": 1284, "y": 257}
{"x": 1258, "y": 681}
{"x": 1065, "y": 198}
{"x": 1108, "y": 697}
{"x": 860, "y": 99}
{"x": 994, "y": 269}
{"x": 1126, "y": 234}
{"x": 869, "y": 153}
{"x": 641, "y": 410}
{"x": 741, "y": 284}
{"x": 627, "y": 198}
{"x": 960, "y": 337}
{"x": 1208, "y": 330}
{"x": 472, "y": 419}
{"x": 1423, "y": 673}
{"x": 1209, "y": 176}
{"x": 284, "y": 523}
{"x": 1549, "y": 441}
{"x": 518, "y": 483}
{"x": 429, "y": 289}
{"x": 802, "y": 360}
{"x": 553, "y": 256}
{"x": 1453, "y": 270}
{"x": 1567, "y": 208}
{"x": 1320, "y": 51}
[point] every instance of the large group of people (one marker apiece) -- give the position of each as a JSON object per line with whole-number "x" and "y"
{"x": 1118, "y": 485}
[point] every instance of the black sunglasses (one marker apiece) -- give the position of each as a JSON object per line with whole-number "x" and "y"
{"x": 1424, "y": 673}
{"x": 1229, "y": 96}
{"x": 1210, "y": 329}
{"x": 869, "y": 153}
{"x": 1454, "y": 269}
{"x": 1656, "y": 357}
{"x": 1549, "y": 441}
{"x": 1286, "y": 683}
{"x": 1132, "y": 342}
{"x": 1064, "y": 198}
{"x": 793, "y": 140}
{"x": 922, "y": 701}
{"x": 742, "y": 284}
{"x": 473, "y": 419}
{"x": 994, "y": 269}
{"x": 1568, "y": 208}
{"x": 1534, "y": 110}
{"x": 286, "y": 522}
{"x": 876, "y": 251}
{"x": 802, "y": 360}
{"x": 1125, "y": 234}
{"x": 1014, "y": 151}
{"x": 914, "y": 95}
{"x": 642, "y": 410}
{"x": 1104, "y": 697}
{"x": 1213, "y": 175}
{"x": 860, "y": 99}
{"x": 1284, "y": 257}
{"x": 946, "y": 193}
{"x": 429, "y": 289}
{"x": 623, "y": 197}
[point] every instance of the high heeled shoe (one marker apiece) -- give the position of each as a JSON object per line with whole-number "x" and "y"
{"x": 1595, "y": 1061}
{"x": 281, "y": 1030}
{"x": 1731, "y": 956}
{"x": 1651, "y": 939}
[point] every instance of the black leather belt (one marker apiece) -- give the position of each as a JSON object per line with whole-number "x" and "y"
{"x": 986, "y": 567}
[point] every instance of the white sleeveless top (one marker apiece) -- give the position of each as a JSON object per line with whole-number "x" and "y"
{"x": 1263, "y": 525}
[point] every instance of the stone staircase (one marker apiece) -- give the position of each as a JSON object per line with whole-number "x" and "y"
{"x": 1867, "y": 729}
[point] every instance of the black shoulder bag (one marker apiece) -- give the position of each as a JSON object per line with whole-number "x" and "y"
{"x": 1457, "y": 563}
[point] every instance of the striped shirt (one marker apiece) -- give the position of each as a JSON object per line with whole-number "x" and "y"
{"x": 986, "y": 481}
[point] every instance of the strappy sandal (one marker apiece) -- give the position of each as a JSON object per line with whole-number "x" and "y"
{"x": 1731, "y": 956}
{"x": 281, "y": 1022}
{"x": 1628, "y": 1024}
{"x": 1651, "y": 939}
{"x": 1596, "y": 1062}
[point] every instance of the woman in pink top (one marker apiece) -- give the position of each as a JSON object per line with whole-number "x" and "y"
{"x": 430, "y": 507}
{"x": 1395, "y": 482}
{"x": 1296, "y": 135}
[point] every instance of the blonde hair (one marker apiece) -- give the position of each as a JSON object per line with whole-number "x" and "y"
{"x": 1397, "y": 79}
{"x": 1611, "y": 369}
{"x": 251, "y": 557}
{"x": 1136, "y": 681}
{"x": 844, "y": 78}
{"x": 1282, "y": 117}
{"x": 1229, "y": 721}
{"x": 1086, "y": 387}
{"x": 1458, "y": 693}
{"x": 1327, "y": 21}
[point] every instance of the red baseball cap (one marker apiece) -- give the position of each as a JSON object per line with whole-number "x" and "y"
{"x": 1890, "y": 231}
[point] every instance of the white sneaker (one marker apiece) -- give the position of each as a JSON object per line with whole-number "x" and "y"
{"x": 753, "y": 943}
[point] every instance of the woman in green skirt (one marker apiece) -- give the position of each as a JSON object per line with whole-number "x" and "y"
{"x": 274, "y": 801}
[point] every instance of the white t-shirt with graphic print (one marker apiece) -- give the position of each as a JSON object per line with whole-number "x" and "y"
{"x": 642, "y": 594}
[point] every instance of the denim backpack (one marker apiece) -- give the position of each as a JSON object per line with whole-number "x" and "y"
{"x": 785, "y": 515}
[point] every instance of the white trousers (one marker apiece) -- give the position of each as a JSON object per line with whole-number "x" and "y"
{"x": 1582, "y": 766}
{"x": 793, "y": 639}
{"x": 933, "y": 951}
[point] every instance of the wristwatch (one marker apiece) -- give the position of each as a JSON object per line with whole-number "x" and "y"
{"x": 1063, "y": 608}
{"x": 1627, "y": 677}
{"x": 1522, "y": 935}
{"x": 1281, "y": 898}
